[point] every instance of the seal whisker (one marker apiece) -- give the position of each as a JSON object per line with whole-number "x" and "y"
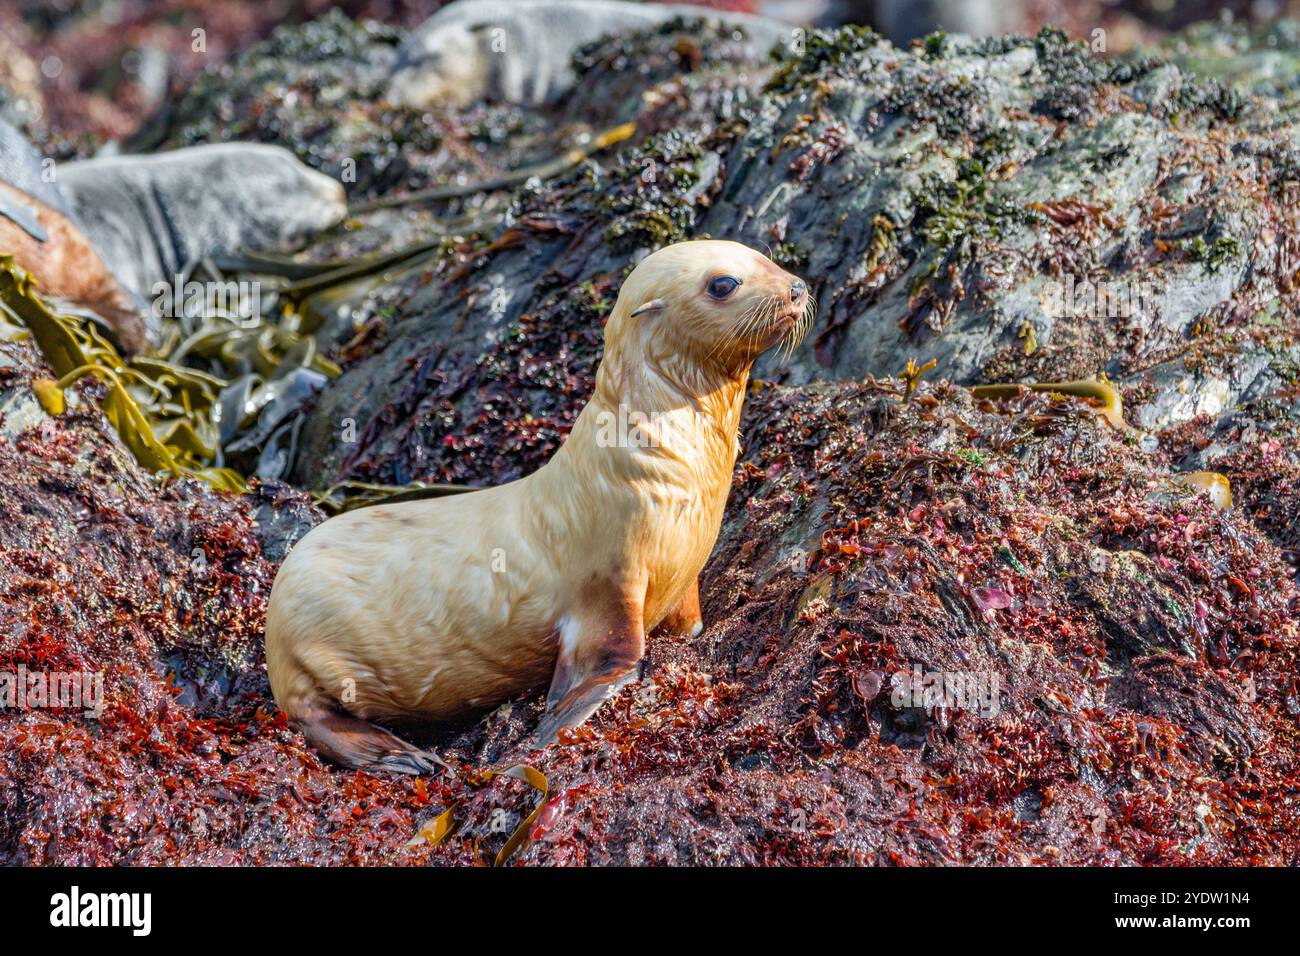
{"x": 758, "y": 324}
{"x": 718, "y": 345}
{"x": 805, "y": 321}
{"x": 748, "y": 324}
{"x": 748, "y": 316}
{"x": 747, "y": 319}
{"x": 745, "y": 325}
{"x": 794, "y": 338}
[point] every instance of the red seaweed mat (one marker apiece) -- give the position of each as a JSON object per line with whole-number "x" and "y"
{"x": 1143, "y": 646}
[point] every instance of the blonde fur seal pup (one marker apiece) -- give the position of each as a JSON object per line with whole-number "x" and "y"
{"x": 436, "y": 609}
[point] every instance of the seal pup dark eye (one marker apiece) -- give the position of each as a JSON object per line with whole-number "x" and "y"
{"x": 722, "y": 286}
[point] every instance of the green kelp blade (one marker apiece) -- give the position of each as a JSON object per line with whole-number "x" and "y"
{"x": 300, "y": 353}
{"x": 1111, "y": 405}
{"x": 125, "y": 416}
{"x": 537, "y": 780}
{"x": 543, "y": 170}
{"x": 316, "y": 309}
{"x": 252, "y": 349}
{"x": 136, "y": 432}
{"x": 205, "y": 342}
{"x": 167, "y": 429}
{"x": 223, "y": 479}
{"x": 435, "y": 831}
{"x": 50, "y": 396}
{"x": 360, "y": 268}
{"x": 59, "y": 346}
{"x": 275, "y": 264}
{"x": 13, "y": 331}
{"x": 179, "y": 450}
{"x": 199, "y": 388}
{"x": 184, "y": 441}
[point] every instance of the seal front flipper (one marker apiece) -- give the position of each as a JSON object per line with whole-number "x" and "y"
{"x": 361, "y": 745}
{"x": 600, "y": 650}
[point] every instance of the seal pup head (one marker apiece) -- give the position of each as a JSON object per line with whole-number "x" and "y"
{"x": 717, "y": 304}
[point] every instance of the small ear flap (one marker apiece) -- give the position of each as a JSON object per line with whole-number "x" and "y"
{"x": 651, "y": 306}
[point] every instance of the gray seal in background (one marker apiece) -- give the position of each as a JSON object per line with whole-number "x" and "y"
{"x": 520, "y": 52}
{"x": 151, "y": 216}
{"x": 40, "y": 230}
{"x": 23, "y": 168}
{"x": 905, "y": 20}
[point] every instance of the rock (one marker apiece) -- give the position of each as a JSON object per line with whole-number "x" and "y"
{"x": 1011, "y": 209}
{"x": 790, "y": 731}
{"x": 161, "y": 592}
{"x": 1112, "y": 690}
{"x": 1255, "y": 447}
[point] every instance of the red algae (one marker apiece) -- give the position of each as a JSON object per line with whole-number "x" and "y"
{"x": 1143, "y": 645}
{"x": 1137, "y": 645}
{"x": 162, "y": 589}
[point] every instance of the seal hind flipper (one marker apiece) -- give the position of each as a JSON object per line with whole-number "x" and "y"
{"x": 361, "y": 745}
{"x": 597, "y": 657}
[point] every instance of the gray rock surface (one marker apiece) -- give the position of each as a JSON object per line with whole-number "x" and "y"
{"x": 940, "y": 200}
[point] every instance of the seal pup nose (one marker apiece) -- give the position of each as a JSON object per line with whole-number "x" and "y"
{"x": 797, "y": 289}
